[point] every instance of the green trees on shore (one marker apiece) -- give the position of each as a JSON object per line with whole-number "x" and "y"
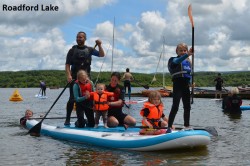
{"x": 57, "y": 78}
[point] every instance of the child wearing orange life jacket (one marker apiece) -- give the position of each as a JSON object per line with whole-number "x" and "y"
{"x": 100, "y": 97}
{"x": 152, "y": 113}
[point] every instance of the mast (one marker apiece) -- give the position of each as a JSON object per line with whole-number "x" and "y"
{"x": 163, "y": 62}
{"x": 113, "y": 45}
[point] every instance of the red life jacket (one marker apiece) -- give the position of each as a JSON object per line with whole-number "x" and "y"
{"x": 84, "y": 87}
{"x": 117, "y": 92}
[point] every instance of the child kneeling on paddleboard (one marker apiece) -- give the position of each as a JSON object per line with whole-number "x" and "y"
{"x": 152, "y": 113}
{"x": 81, "y": 90}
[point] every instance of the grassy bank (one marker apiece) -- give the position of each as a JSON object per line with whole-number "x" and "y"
{"x": 57, "y": 78}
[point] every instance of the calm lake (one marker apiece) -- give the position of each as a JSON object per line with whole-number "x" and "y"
{"x": 231, "y": 147}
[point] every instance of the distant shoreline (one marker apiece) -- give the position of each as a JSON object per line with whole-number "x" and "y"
{"x": 57, "y": 78}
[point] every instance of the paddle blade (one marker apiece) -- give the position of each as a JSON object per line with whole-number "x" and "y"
{"x": 212, "y": 131}
{"x": 190, "y": 15}
{"x": 35, "y": 130}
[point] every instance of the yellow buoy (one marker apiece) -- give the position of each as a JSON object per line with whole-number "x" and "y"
{"x": 16, "y": 96}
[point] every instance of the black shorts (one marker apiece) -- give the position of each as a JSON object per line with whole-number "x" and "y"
{"x": 120, "y": 116}
{"x": 218, "y": 87}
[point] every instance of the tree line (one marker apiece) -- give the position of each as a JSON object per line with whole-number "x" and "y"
{"x": 57, "y": 78}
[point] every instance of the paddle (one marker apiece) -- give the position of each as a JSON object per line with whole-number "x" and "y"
{"x": 192, "y": 23}
{"x": 210, "y": 130}
{"x": 144, "y": 86}
{"x": 136, "y": 101}
{"x": 39, "y": 92}
{"x": 52, "y": 118}
{"x": 225, "y": 88}
{"x": 35, "y": 130}
{"x": 128, "y": 103}
{"x": 128, "y": 106}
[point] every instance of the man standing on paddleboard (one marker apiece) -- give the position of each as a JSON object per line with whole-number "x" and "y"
{"x": 79, "y": 57}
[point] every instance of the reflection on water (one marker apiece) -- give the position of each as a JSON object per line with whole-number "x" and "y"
{"x": 233, "y": 117}
{"x": 92, "y": 156}
{"x": 78, "y": 155}
{"x": 231, "y": 147}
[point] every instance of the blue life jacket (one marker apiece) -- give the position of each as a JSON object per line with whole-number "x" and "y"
{"x": 179, "y": 70}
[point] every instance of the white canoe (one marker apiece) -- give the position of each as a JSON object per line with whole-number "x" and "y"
{"x": 129, "y": 139}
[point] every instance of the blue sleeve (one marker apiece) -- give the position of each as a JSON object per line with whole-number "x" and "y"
{"x": 77, "y": 96}
{"x": 178, "y": 60}
{"x": 95, "y": 52}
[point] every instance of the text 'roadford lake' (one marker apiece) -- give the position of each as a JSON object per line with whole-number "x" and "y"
{"x": 24, "y": 7}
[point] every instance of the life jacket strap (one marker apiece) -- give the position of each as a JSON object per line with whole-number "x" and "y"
{"x": 153, "y": 120}
{"x": 180, "y": 72}
{"x": 100, "y": 102}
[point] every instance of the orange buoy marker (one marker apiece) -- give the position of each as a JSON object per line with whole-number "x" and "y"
{"x": 16, "y": 96}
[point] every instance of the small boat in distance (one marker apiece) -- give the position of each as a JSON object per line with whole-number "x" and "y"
{"x": 165, "y": 91}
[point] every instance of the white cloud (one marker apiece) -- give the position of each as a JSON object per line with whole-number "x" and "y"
{"x": 40, "y": 40}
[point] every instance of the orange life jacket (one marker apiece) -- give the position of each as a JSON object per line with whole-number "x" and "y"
{"x": 155, "y": 113}
{"x": 101, "y": 101}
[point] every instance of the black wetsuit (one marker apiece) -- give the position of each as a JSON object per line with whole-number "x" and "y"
{"x": 116, "y": 111}
{"x": 78, "y": 58}
{"x": 233, "y": 105}
{"x": 180, "y": 69}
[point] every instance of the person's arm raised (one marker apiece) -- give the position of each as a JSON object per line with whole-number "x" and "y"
{"x": 101, "y": 51}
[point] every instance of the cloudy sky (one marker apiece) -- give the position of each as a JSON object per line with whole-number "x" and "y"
{"x": 143, "y": 31}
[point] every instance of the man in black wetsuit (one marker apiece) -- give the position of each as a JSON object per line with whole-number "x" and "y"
{"x": 79, "y": 57}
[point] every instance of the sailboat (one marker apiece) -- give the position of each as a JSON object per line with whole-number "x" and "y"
{"x": 165, "y": 91}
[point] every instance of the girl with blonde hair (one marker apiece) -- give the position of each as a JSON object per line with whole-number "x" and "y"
{"x": 153, "y": 116}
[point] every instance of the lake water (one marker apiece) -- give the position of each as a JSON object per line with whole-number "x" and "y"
{"x": 231, "y": 147}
